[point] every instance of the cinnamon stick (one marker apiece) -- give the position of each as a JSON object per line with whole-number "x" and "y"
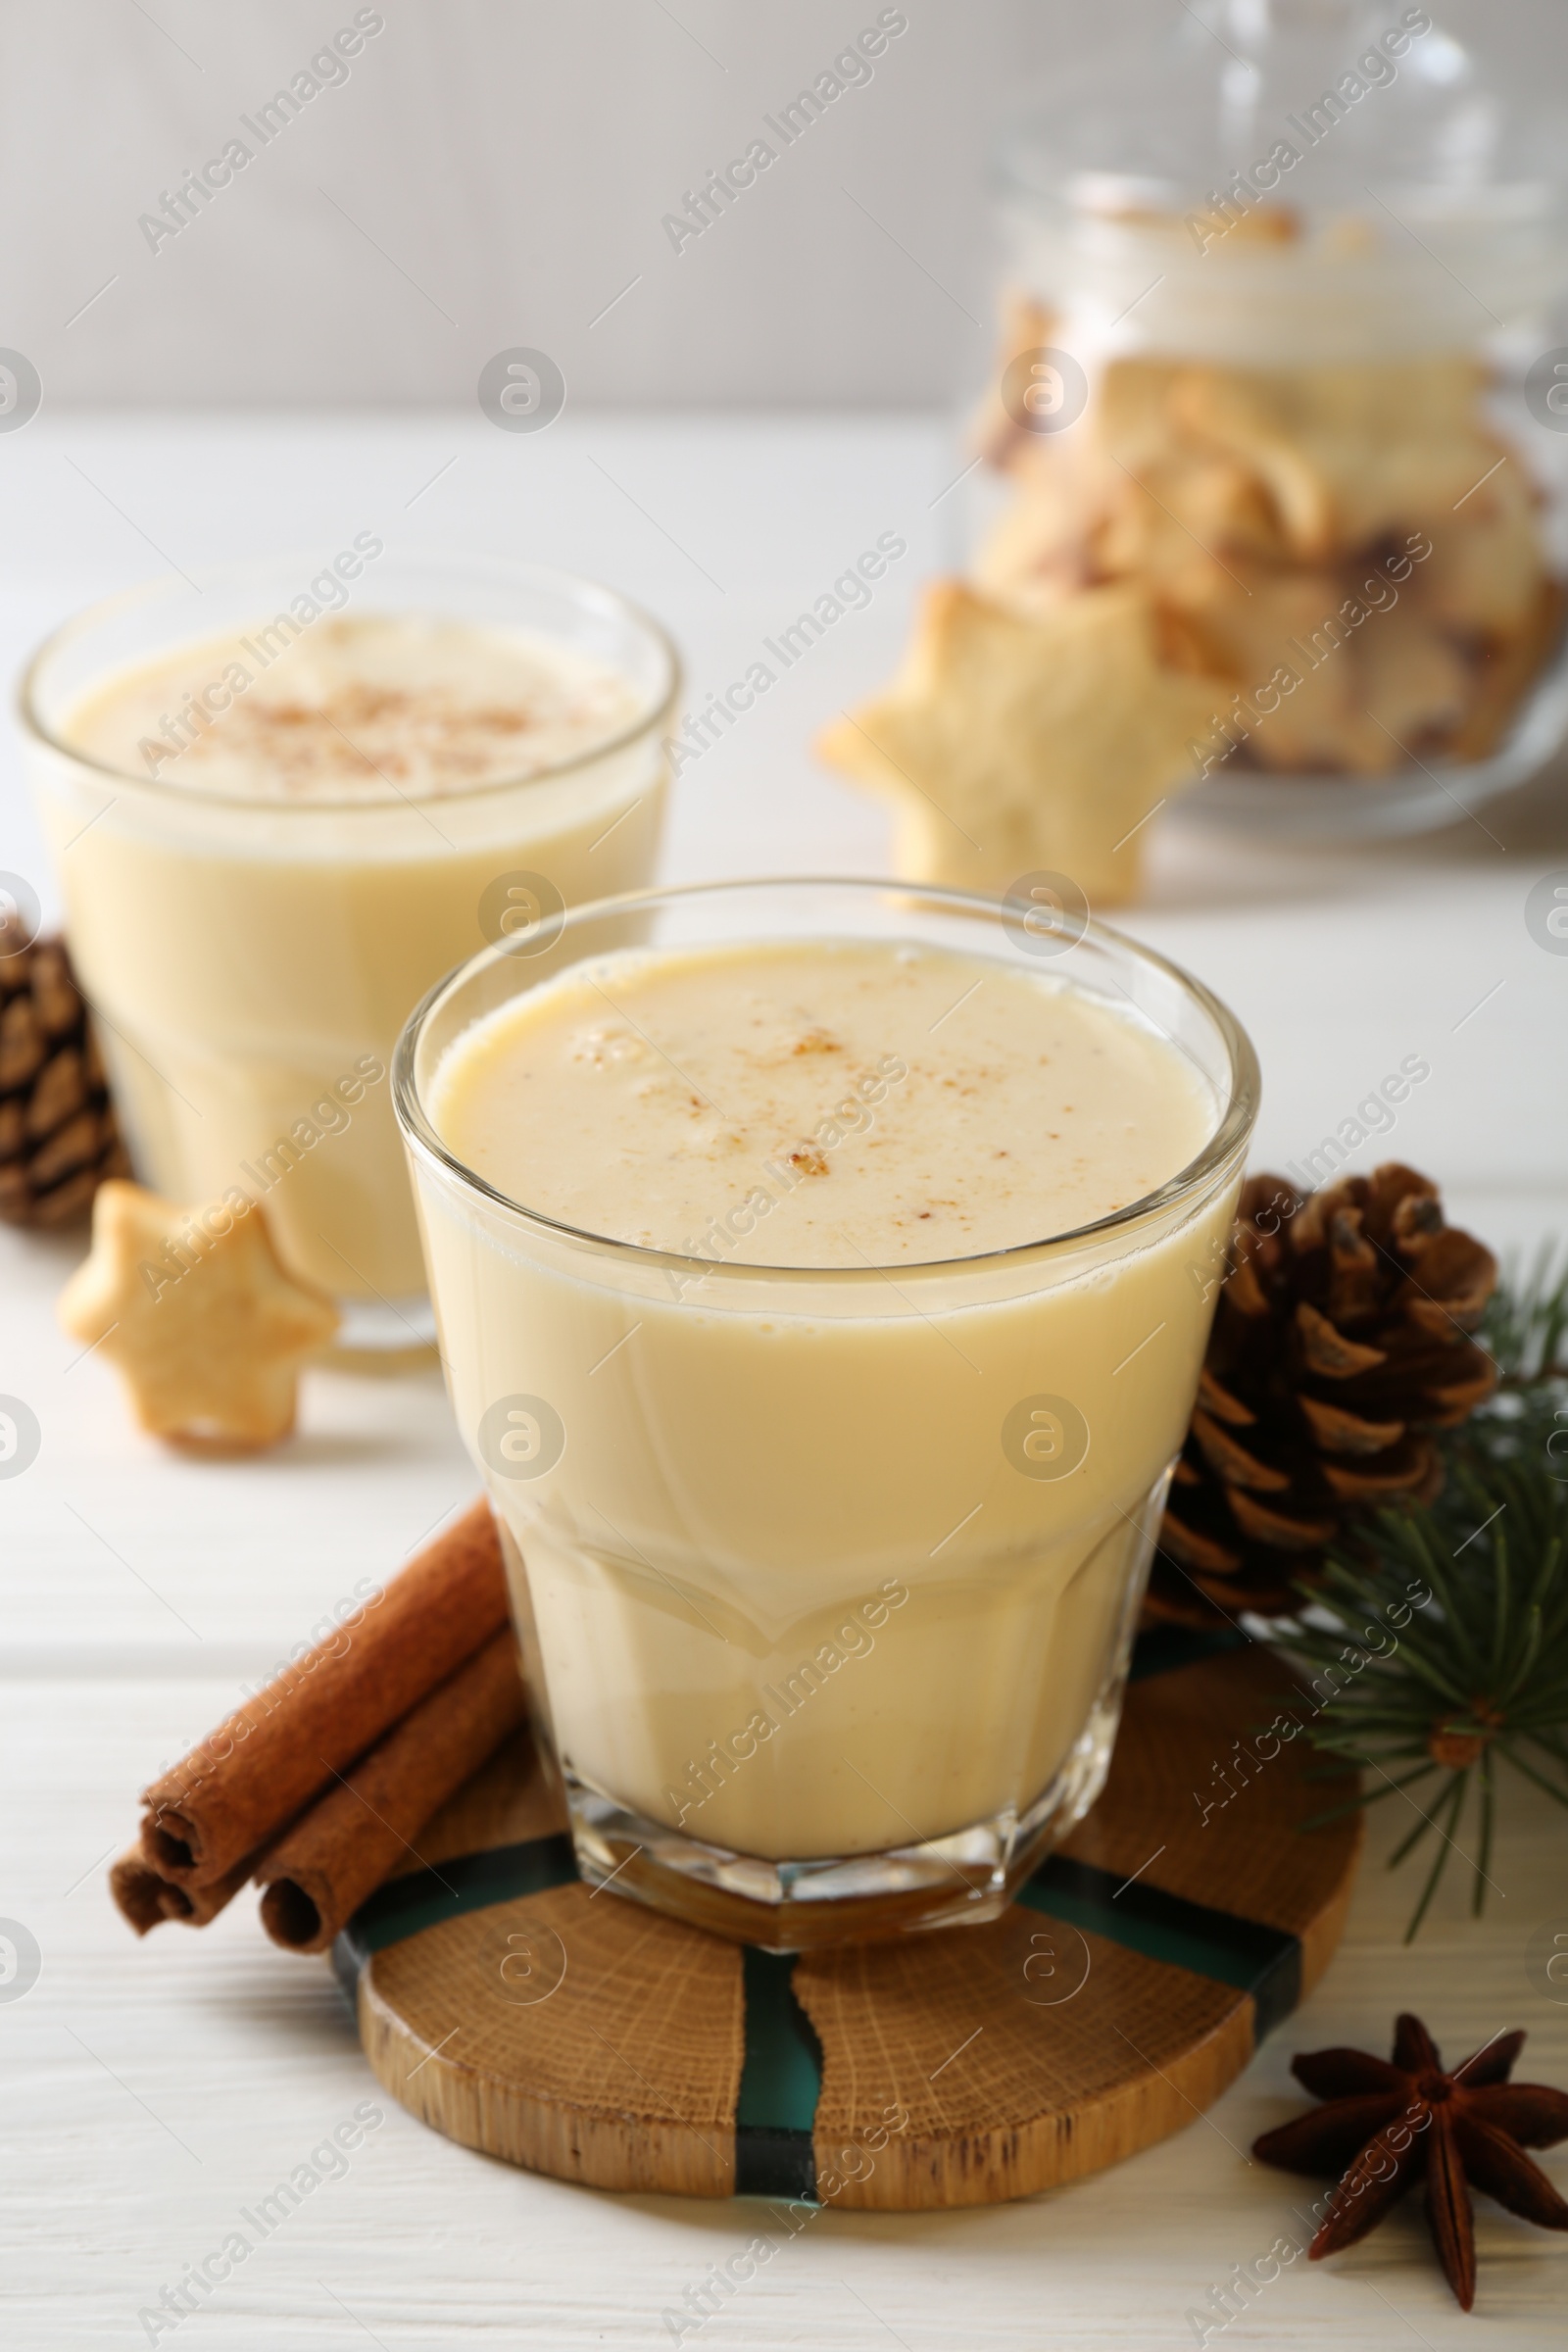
{"x": 323, "y": 1869}
{"x": 255, "y": 1772}
{"x": 146, "y": 1898}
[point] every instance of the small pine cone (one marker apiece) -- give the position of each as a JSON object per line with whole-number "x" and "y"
{"x": 58, "y": 1136}
{"x": 1340, "y": 1341}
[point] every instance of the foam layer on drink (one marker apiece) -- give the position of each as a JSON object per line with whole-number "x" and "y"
{"x": 368, "y": 707}
{"x": 819, "y": 1104}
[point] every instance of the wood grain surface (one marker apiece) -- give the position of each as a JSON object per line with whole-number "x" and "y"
{"x": 1194, "y": 1808}
{"x": 155, "y": 2090}
{"x": 1003, "y": 2094}
{"x": 584, "y": 2036}
{"x": 568, "y": 2033}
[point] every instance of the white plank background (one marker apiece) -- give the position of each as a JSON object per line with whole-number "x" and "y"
{"x": 505, "y": 169}
{"x": 148, "y": 2092}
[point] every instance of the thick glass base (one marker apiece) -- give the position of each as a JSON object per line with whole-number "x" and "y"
{"x": 969, "y": 1876}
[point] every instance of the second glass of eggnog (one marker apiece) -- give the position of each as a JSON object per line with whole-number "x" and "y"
{"x": 281, "y": 805}
{"x": 823, "y": 1272}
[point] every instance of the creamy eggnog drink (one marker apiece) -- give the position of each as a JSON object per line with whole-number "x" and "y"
{"x": 823, "y": 1277}
{"x": 276, "y": 828}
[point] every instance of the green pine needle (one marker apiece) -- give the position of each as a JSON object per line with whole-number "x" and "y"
{"x": 1478, "y": 1668}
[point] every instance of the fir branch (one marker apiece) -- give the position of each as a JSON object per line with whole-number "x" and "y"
{"x": 1525, "y": 1329}
{"x": 1478, "y": 1668}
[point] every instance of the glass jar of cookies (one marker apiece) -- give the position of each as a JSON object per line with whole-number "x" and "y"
{"x": 1281, "y": 396}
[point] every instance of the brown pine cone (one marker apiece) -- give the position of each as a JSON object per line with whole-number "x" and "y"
{"x": 58, "y": 1137}
{"x": 1339, "y": 1343}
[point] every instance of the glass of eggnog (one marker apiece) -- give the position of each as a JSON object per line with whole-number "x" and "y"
{"x": 280, "y": 804}
{"x": 823, "y": 1271}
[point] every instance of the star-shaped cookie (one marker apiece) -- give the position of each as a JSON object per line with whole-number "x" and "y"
{"x": 199, "y": 1318}
{"x": 1015, "y": 742}
{"x": 1348, "y": 453}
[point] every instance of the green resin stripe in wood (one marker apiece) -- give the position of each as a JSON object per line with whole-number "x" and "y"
{"x": 1265, "y": 1962}
{"x": 781, "y": 2080}
{"x": 425, "y": 1898}
{"x": 781, "y": 2072}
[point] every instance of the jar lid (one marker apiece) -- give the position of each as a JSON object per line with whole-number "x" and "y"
{"x": 1315, "y": 179}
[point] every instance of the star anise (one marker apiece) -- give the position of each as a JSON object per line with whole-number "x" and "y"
{"x": 1384, "y": 2127}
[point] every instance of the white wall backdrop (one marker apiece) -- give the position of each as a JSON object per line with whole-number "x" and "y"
{"x": 493, "y": 172}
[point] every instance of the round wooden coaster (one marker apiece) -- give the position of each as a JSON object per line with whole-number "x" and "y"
{"x": 581, "y": 2034}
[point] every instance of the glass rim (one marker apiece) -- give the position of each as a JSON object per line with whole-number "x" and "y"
{"x": 1230, "y": 1136}
{"x": 121, "y": 599}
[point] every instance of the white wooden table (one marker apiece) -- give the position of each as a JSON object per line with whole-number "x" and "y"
{"x": 148, "y": 2092}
